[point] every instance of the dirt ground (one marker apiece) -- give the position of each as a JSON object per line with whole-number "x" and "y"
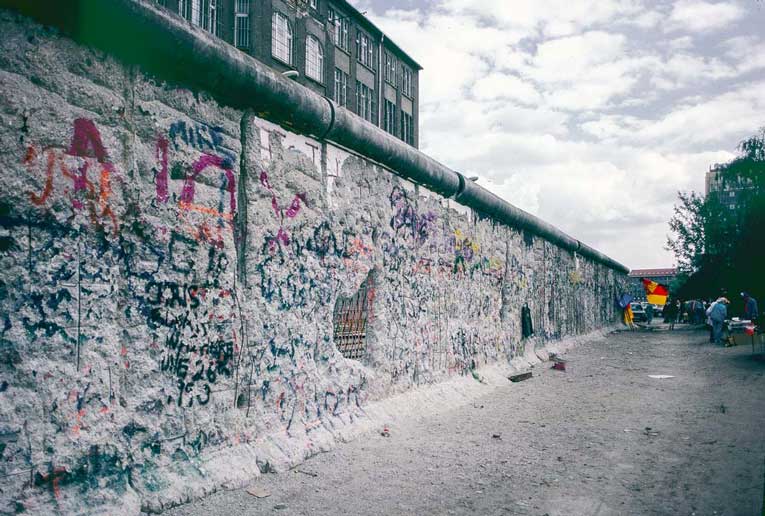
{"x": 600, "y": 438}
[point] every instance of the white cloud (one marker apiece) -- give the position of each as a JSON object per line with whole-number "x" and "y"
{"x": 722, "y": 118}
{"x": 562, "y": 16}
{"x": 646, "y": 20}
{"x": 684, "y": 69}
{"x": 700, "y": 16}
{"x": 503, "y": 86}
{"x": 585, "y": 113}
{"x": 681, "y": 43}
{"x": 572, "y": 58}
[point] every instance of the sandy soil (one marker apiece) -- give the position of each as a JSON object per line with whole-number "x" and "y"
{"x": 600, "y": 438}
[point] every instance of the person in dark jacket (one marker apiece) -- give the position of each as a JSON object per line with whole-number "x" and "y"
{"x": 671, "y": 311}
{"x": 750, "y": 307}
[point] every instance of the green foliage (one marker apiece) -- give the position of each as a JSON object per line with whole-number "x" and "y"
{"x": 701, "y": 228}
{"x": 687, "y": 224}
{"x": 718, "y": 248}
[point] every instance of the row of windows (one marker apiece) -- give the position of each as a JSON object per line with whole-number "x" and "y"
{"x": 341, "y": 87}
{"x": 366, "y": 107}
{"x": 341, "y": 29}
{"x": 407, "y": 122}
{"x": 366, "y": 103}
{"x": 204, "y": 13}
{"x": 366, "y": 49}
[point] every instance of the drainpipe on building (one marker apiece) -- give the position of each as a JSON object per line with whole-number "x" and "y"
{"x": 380, "y": 82}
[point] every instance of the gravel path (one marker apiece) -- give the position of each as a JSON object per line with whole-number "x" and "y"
{"x": 600, "y": 438}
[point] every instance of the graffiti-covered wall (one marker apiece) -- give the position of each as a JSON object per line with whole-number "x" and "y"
{"x": 192, "y": 295}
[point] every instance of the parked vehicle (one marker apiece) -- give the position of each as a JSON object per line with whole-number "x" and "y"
{"x": 638, "y": 312}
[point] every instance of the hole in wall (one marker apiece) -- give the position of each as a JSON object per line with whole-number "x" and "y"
{"x": 350, "y": 319}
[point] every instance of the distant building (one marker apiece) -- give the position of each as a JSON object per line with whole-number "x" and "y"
{"x": 663, "y": 276}
{"x": 336, "y": 51}
{"x": 729, "y": 192}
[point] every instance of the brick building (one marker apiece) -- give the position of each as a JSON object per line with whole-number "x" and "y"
{"x": 335, "y": 50}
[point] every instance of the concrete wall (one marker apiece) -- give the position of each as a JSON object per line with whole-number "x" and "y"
{"x": 169, "y": 269}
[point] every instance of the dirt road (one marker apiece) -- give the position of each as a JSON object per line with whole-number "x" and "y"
{"x": 600, "y": 438}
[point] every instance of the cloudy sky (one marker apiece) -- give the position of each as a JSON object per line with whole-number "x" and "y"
{"x": 591, "y": 114}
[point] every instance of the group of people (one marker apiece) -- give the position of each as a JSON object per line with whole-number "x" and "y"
{"x": 715, "y": 313}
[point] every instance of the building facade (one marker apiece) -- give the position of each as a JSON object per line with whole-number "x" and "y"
{"x": 663, "y": 276}
{"x": 335, "y": 50}
{"x": 729, "y": 192}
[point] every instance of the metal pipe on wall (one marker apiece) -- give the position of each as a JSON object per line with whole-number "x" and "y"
{"x": 167, "y": 46}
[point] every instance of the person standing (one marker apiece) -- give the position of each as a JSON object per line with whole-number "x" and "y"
{"x": 649, "y": 313}
{"x": 717, "y": 314}
{"x": 750, "y": 308}
{"x": 672, "y": 310}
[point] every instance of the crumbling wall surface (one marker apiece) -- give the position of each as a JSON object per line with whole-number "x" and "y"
{"x": 169, "y": 275}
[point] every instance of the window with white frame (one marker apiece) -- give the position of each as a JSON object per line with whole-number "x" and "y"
{"x": 184, "y": 8}
{"x": 407, "y": 128}
{"x": 242, "y": 23}
{"x": 314, "y": 59}
{"x": 389, "y": 121}
{"x": 406, "y": 83}
{"x": 196, "y": 12}
{"x": 210, "y": 21}
{"x": 281, "y": 38}
{"x": 366, "y": 106}
{"x": 314, "y": 4}
{"x": 365, "y": 49}
{"x": 340, "y": 27}
{"x": 341, "y": 87}
{"x": 390, "y": 69}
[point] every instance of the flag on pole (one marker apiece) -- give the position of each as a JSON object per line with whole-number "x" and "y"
{"x": 656, "y": 293}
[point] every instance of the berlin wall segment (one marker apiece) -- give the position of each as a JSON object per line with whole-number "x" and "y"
{"x": 170, "y": 269}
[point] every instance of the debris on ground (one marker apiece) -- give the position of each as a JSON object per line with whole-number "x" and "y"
{"x": 496, "y": 436}
{"x": 280, "y": 506}
{"x": 660, "y": 376}
{"x": 559, "y": 363}
{"x": 309, "y": 473}
{"x": 258, "y": 492}
{"x": 520, "y": 377}
{"x": 477, "y": 376}
{"x": 649, "y": 432}
{"x": 385, "y": 432}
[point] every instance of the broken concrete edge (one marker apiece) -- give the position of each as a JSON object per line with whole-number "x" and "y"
{"x": 139, "y": 32}
{"x": 243, "y": 465}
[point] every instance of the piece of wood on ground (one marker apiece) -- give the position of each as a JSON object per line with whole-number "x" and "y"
{"x": 520, "y": 376}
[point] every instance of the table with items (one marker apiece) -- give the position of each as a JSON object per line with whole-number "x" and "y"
{"x": 742, "y": 331}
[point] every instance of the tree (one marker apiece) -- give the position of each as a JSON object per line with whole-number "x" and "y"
{"x": 748, "y": 170}
{"x": 687, "y": 224}
{"x": 718, "y": 246}
{"x": 701, "y": 230}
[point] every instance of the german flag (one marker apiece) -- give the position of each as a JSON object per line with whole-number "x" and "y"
{"x": 656, "y": 293}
